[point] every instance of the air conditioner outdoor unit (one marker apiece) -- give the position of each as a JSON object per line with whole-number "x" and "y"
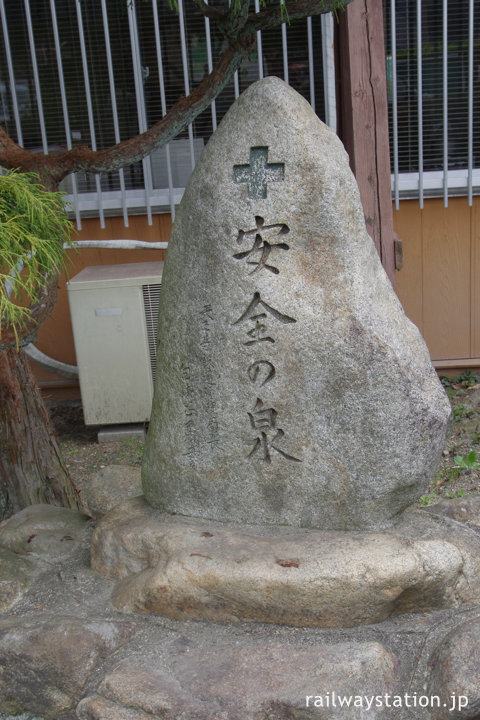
{"x": 114, "y": 310}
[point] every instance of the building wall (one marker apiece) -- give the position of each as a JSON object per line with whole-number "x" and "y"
{"x": 439, "y": 283}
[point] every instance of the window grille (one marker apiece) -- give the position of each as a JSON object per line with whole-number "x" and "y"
{"x": 433, "y": 81}
{"x": 94, "y": 73}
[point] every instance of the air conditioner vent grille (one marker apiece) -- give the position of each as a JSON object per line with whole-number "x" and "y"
{"x": 151, "y": 299}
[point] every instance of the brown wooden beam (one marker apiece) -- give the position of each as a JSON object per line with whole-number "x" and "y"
{"x": 364, "y": 119}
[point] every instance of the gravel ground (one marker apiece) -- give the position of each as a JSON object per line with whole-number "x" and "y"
{"x": 457, "y": 476}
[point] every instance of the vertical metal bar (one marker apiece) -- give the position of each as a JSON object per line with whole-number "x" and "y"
{"x": 420, "y": 101}
{"x": 210, "y": 67}
{"x": 183, "y": 42}
{"x": 88, "y": 97}
{"x": 140, "y": 98}
{"x": 285, "y": 52}
{"x": 236, "y": 85}
{"x": 445, "y": 101}
{"x": 63, "y": 95}
{"x": 311, "y": 71}
{"x": 163, "y": 101}
{"x": 396, "y": 189}
{"x": 328, "y": 57}
{"x": 11, "y": 75}
{"x": 470, "y": 102}
{"x": 259, "y": 44}
{"x": 36, "y": 77}
{"x": 116, "y": 127}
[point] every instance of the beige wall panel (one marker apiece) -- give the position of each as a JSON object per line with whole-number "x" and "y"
{"x": 475, "y": 255}
{"x": 446, "y": 278}
{"x": 55, "y": 337}
{"x": 407, "y": 223}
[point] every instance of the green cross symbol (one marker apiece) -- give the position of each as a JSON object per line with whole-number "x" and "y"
{"x": 258, "y": 172}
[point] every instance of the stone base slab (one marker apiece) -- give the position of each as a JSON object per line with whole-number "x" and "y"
{"x": 189, "y": 568}
{"x": 66, "y": 653}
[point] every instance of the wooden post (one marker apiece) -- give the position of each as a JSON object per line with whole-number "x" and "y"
{"x": 364, "y": 118}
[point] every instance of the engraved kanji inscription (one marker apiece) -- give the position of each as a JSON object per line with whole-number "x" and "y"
{"x": 262, "y": 247}
{"x": 258, "y": 173}
{"x": 258, "y": 333}
{"x": 261, "y": 372}
{"x": 264, "y": 420}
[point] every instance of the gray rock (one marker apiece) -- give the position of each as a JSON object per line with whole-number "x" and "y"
{"x": 109, "y": 487}
{"x": 62, "y": 645}
{"x": 43, "y": 529}
{"x": 455, "y": 677}
{"x": 16, "y": 576}
{"x": 463, "y": 509}
{"x": 189, "y": 568}
{"x": 272, "y": 681}
{"x": 45, "y": 664}
{"x": 291, "y": 389}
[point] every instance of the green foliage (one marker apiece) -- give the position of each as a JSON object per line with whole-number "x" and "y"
{"x": 466, "y": 379}
{"x": 131, "y": 451}
{"x": 429, "y": 499}
{"x": 461, "y": 412}
{"x": 456, "y": 494}
{"x": 464, "y": 462}
{"x": 33, "y": 227}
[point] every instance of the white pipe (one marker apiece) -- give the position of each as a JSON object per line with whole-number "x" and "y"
{"x": 36, "y": 77}
{"x": 63, "y": 95}
{"x": 329, "y": 70}
{"x": 259, "y": 45}
{"x": 50, "y": 364}
{"x": 116, "y": 127}
{"x": 395, "y": 107}
{"x": 117, "y": 244}
{"x": 420, "y": 101}
{"x": 445, "y": 103}
{"x": 311, "y": 71}
{"x": 470, "y": 103}
{"x": 163, "y": 101}
{"x": 11, "y": 75}
{"x": 88, "y": 98}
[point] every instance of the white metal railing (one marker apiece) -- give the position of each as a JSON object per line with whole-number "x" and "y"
{"x": 443, "y": 181}
{"x": 103, "y": 200}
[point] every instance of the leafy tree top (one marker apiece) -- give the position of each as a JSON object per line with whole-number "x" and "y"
{"x": 34, "y": 225}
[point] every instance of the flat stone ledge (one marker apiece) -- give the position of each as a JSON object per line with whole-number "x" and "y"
{"x": 188, "y": 568}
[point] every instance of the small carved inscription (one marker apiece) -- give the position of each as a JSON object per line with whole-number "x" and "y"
{"x": 261, "y": 369}
{"x": 190, "y": 414}
{"x": 261, "y": 248}
{"x": 212, "y": 426}
{"x": 206, "y": 316}
{"x": 264, "y": 420}
{"x": 204, "y": 434}
{"x": 258, "y": 173}
{"x": 258, "y": 333}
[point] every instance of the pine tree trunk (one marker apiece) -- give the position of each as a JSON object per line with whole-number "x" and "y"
{"x": 31, "y": 468}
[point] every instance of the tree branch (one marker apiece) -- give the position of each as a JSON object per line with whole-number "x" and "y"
{"x": 39, "y": 311}
{"x": 295, "y": 10}
{"x": 238, "y": 27}
{"x": 211, "y": 12}
{"x": 57, "y": 164}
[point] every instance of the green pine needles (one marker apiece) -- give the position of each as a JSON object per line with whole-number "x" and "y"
{"x": 34, "y": 225}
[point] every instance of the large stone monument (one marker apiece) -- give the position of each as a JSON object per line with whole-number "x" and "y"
{"x": 296, "y": 412}
{"x": 296, "y": 416}
{"x": 291, "y": 388}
